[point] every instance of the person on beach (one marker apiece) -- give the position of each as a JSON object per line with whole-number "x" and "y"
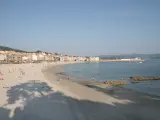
{"x": 9, "y": 71}
{"x": 1, "y": 76}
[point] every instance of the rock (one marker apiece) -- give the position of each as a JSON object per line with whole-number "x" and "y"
{"x": 134, "y": 78}
{"x": 115, "y": 82}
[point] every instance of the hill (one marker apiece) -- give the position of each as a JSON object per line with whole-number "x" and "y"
{"x": 4, "y": 48}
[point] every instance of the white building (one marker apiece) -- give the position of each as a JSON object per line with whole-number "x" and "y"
{"x": 3, "y": 57}
{"x": 34, "y": 57}
{"x": 94, "y": 59}
{"x": 97, "y": 58}
{"x": 40, "y": 57}
{"x": 24, "y": 58}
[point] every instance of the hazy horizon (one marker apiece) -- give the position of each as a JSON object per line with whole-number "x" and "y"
{"x": 86, "y": 27}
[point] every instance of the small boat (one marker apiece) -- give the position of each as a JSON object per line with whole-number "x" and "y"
{"x": 140, "y": 62}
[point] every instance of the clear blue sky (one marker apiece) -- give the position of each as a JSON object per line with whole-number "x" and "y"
{"x": 81, "y": 27}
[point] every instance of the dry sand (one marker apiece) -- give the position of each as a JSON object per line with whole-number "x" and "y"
{"x": 34, "y": 92}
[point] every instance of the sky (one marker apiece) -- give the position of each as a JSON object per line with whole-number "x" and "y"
{"x": 81, "y": 27}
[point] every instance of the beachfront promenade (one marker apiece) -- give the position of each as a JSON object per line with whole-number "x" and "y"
{"x": 34, "y": 92}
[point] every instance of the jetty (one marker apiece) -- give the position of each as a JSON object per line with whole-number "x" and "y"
{"x": 122, "y": 60}
{"x": 104, "y": 84}
{"x": 134, "y": 78}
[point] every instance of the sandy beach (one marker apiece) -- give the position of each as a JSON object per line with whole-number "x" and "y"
{"x": 35, "y": 92}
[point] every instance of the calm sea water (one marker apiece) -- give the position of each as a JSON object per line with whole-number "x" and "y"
{"x": 117, "y": 70}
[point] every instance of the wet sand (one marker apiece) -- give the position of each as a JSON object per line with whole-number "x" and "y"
{"x": 37, "y": 92}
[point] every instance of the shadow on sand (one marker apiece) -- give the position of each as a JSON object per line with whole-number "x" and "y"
{"x": 57, "y": 106}
{"x": 139, "y": 98}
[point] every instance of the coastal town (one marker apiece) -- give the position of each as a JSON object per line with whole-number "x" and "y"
{"x": 11, "y": 56}
{"x": 79, "y": 60}
{"x": 39, "y": 56}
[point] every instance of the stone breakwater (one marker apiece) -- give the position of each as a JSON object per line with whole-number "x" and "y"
{"x": 102, "y": 84}
{"x": 134, "y": 78}
{"x": 115, "y": 82}
{"x": 121, "y": 60}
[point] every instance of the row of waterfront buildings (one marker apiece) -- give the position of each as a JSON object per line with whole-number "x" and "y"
{"x": 26, "y": 57}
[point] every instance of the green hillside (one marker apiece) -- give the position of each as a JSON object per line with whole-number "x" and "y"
{"x": 4, "y": 48}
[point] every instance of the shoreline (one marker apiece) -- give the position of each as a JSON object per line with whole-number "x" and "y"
{"x": 74, "y": 89}
{"x": 60, "y": 74}
{"x": 128, "y": 83}
{"x": 67, "y": 97}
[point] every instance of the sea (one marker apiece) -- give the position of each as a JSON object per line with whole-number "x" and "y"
{"x": 103, "y": 71}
